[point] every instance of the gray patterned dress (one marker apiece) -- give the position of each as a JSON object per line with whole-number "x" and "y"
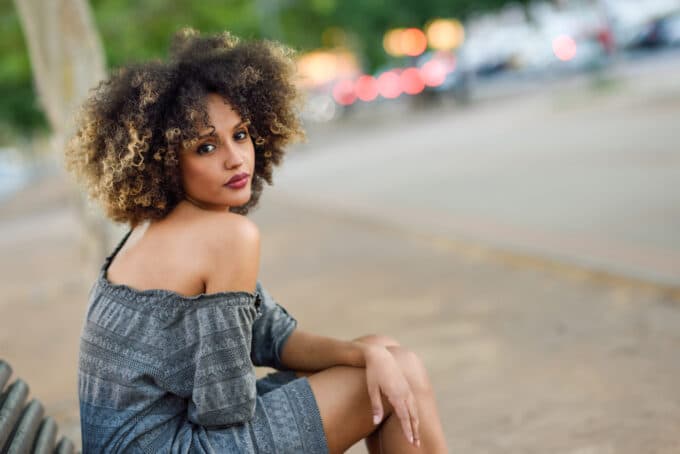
{"x": 164, "y": 373}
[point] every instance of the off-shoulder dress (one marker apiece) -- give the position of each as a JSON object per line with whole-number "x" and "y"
{"x": 160, "y": 372}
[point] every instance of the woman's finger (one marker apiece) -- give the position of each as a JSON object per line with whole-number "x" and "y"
{"x": 415, "y": 420}
{"x": 404, "y": 418}
{"x": 376, "y": 403}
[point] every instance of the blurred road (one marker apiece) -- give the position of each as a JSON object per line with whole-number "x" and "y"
{"x": 587, "y": 172}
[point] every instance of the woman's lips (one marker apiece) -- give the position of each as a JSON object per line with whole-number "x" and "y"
{"x": 238, "y": 181}
{"x": 238, "y": 176}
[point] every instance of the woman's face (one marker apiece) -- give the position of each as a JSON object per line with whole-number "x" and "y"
{"x": 223, "y": 154}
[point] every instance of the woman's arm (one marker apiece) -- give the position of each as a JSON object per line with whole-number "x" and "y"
{"x": 309, "y": 352}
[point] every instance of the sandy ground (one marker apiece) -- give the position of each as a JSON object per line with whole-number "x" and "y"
{"x": 524, "y": 359}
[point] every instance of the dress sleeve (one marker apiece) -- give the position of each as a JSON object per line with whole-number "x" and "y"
{"x": 223, "y": 382}
{"x": 270, "y": 331}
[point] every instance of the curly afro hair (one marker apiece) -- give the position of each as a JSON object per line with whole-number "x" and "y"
{"x": 133, "y": 125}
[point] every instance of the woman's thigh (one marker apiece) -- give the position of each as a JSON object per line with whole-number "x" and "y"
{"x": 342, "y": 397}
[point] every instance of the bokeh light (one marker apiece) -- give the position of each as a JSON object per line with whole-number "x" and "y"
{"x": 411, "y": 81}
{"x": 410, "y": 41}
{"x": 323, "y": 66}
{"x": 343, "y": 92}
{"x": 413, "y": 42}
{"x": 433, "y": 73}
{"x": 445, "y": 34}
{"x": 366, "y": 88}
{"x": 320, "y": 108}
{"x": 564, "y": 47}
{"x": 392, "y": 42}
{"x": 389, "y": 85}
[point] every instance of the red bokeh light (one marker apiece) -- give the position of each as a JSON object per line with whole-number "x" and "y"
{"x": 389, "y": 85}
{"x": 343, "y": 92}
{"x": 411, "y": 82}
{"x": 366, "y": 88}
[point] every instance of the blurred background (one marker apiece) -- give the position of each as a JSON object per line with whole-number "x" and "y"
{"x": 495, "y": 184}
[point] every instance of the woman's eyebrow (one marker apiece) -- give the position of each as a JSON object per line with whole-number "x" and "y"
{"x": 209, "y": 134}
{"x": 236, "y": 126}
{"x": 241, "y": 124}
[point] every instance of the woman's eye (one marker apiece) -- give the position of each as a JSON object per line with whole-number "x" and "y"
{"x": 241, "y": 135}
{"x": 205, "y": 148}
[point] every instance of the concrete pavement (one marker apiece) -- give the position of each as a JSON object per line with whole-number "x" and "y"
{"x": 523, "y": 359}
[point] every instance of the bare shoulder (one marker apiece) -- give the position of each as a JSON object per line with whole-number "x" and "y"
{"x": 218, "y": 229}
{"x": 228, "y": 245}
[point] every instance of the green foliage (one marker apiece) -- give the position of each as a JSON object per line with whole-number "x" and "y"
{"x": 19, "y": 111}
{"x": 133, "y": 30}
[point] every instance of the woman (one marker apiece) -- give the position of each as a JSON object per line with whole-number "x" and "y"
{"x": 179, "y": 151}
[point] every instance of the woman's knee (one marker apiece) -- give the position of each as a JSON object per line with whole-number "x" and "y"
{"x": 378, "y": 339}
{"x": 410, "y": 363}
{"x": 413, "y": 368}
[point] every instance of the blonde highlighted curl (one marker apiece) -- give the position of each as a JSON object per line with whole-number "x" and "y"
{"x": 132, "y": 127}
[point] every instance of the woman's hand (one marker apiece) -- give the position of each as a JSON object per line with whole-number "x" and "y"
{"x": 383, "y": 375}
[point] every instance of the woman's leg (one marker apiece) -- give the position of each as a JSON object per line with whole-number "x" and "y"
{"x": 345, "y": 408}
{"x": 373, "y": 442}
{"x": 391, "y": 437}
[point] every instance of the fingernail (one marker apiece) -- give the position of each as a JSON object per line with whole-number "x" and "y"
{"x": 376, "y": 419}
{"x": 418, "y": 443}
{"x": 410, "y": 439}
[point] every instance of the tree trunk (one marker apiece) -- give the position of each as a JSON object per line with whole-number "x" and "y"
{"x": 67, "y": 60}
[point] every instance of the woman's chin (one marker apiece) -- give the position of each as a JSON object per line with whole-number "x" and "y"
{"x": 238, "y": 201}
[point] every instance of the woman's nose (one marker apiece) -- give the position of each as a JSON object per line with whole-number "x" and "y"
{"x": 232, "y": 159}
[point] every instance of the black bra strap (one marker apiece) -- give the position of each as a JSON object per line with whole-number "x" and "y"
{"x": 115, "y": 251}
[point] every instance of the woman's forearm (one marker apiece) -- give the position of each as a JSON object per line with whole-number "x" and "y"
{"x": 309, "y": 352}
